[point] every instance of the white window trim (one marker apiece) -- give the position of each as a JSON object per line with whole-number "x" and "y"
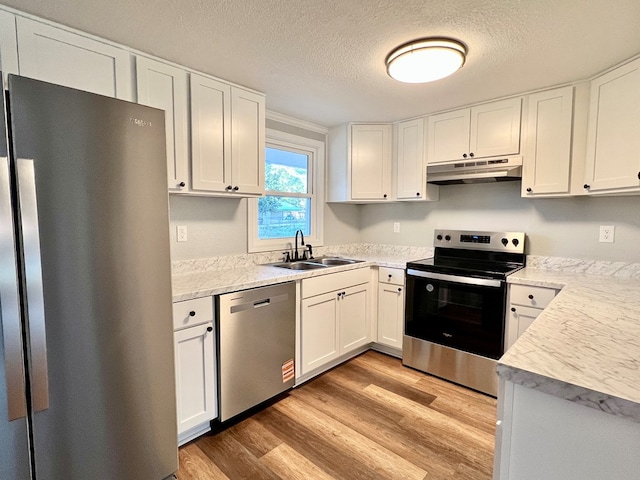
{"x": 317, "y": 149}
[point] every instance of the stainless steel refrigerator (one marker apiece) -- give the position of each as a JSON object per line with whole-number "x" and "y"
{"x": 87, "y": 373}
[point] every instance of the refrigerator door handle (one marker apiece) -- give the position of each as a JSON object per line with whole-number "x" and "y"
{"x": 10, "y": 303}
{"x": 34, "y": 286}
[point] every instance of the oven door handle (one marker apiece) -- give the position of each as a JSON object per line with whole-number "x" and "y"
{"x": 483, "y": 282}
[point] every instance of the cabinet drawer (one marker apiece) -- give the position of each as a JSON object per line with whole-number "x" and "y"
{"x": 538, "y": 297}
{"x": 334, "y": 281}
{"x": 392, "y": 276}
{"x": 192, "y": 312}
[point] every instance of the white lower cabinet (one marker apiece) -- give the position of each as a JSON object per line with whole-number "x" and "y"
{"x": 390, "y": 307}
{"x": 524, "y": 305}
{"x": 195, "y": 367}
{"x": 335, "y": 317}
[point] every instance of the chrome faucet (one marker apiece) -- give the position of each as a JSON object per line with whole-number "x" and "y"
{"x": 295, "y": 254}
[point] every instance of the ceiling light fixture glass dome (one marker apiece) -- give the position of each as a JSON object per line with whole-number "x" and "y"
{"x": 425, "y": 60}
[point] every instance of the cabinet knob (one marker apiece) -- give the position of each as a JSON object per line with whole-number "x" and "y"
{"x": 471, "y": 154}
{"x": 638, "y": 175}
{"x": 399, "y": 289}
{"x": 530, "y": 297}
{"x": 236, "y": 188}
{"x": 586, "y": 186}
{"x": 529, "y": 190}
{"x": 385, "y": 195}
{"x": 390, "y": 275}
{"x": 182, "y": 184}
{"x": 417, "y": 194}
{"x": 209, "y": 329}
{"x": 513, "y": 309}
{"x": 192, "y": 313}
{"x": 229, "y": 187}
{"x": 464, "y": 155}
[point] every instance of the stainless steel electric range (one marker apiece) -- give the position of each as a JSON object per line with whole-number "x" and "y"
{"x": 455, "y": 306}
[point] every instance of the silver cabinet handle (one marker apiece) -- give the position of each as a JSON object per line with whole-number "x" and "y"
{"x": 10, "y": 303}
{"x": 34, "y": 286}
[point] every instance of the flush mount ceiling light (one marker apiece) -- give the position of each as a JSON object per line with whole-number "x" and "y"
{"x": 425, "y": 60}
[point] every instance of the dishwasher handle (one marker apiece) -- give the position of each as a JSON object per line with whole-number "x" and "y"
{"x": 251, "y": 304}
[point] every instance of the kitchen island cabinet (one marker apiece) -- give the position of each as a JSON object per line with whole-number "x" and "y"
{"x": 195, "y": 366}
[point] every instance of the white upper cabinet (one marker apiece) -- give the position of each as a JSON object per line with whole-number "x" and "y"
{"x": 8, "y": 44}
{"x": 613, "y": 139}
{"x": 247, "y": 141}
{"x": 164, "y": 86}
{"x": 360, "y": 163}
{"x": 410, "y": 163}
{"x": 58, "y": 56}
{"x": 227, "y": 138}
{"x": 488, "y": 130}
{"x": 210, "y": 134}
{"x": 547, "y": 143}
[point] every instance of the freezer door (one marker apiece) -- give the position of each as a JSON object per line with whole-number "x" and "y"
{"x": 14, "y": 446}
{"x": 104, "y": 399}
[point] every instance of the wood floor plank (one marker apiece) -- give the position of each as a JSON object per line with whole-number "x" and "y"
{"x": 315, "y": 447}
{"x": 233, "y": 459}
{"x": 368, "y": 419}
{"x": 290, "y": 465}
{"x": 358, "y": 446}
{"x": 195, "y": 465}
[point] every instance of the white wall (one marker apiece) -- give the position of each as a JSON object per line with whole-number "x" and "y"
{"x": 565, "y": 227}
{"x": 218, "y": 226}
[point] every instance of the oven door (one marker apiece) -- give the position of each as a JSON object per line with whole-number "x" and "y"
{"x": 464, "y": 313}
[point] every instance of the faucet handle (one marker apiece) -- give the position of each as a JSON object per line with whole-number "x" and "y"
{"x": 288, "y": 256}
{"x": 310, "y": 248}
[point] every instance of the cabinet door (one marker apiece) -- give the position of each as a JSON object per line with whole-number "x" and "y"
{"x": 448, "y": 136}
{"x": 390, "y": 314}
{"x": 613, "y": 142}
{"x": 164, "y": 86}
{"x": 410, "y": 160}
{"x": 371, "y": 156}
{"x": 519, "y": 319}
{"x": 8, "y": 44}
{"x": 318, "y": 331}
{"x": 195, "y": 376}
{"x": 547, "y": 148}
{"x": 59, "y": 56}
{"x": 495, "y": 129}
{"x": 210, "y": 134}
{"x": 353, "y": 318}
{"x": 247, "y": 142}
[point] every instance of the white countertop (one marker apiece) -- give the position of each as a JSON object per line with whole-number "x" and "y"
{"x": 585, "y": 346}
{"x": 230, "y": 279}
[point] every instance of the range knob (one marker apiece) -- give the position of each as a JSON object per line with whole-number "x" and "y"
{"x": 515, "y": 242}
{"x": 439, "y": 237}
{"x": 447, "y": 237}
{"x": 505, "y": 241}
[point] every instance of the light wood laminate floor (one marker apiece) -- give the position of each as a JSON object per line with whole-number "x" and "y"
{"x": 370, "y": 418}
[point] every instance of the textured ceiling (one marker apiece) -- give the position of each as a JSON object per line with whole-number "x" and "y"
{"x": 323, "y": 60}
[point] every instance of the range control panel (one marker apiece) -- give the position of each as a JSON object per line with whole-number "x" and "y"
{"x": 511, "y": 242}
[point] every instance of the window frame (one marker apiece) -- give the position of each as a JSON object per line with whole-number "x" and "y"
{"x": 316, "y": 151}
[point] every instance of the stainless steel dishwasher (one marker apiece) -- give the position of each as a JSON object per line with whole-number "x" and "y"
{"x": 256, "y": 346}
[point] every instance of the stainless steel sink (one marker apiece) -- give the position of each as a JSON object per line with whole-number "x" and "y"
{"x": 299, "y": 265}
{"x": 315, "y": 263}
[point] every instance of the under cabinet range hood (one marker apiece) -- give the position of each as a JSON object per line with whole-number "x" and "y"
{"x": 487, "y": 170}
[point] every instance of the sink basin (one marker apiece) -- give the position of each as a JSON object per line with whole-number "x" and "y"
{"x": 299, "y": 265}
{"x": 336, "y": 261}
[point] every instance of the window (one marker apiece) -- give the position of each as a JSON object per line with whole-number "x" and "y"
{"x": 293, "y": 200}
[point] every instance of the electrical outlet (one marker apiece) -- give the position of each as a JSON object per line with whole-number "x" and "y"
{"x": 607, "y": 234}
{"x": 396, "y": 227}
{"x": 181, "y": 233}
